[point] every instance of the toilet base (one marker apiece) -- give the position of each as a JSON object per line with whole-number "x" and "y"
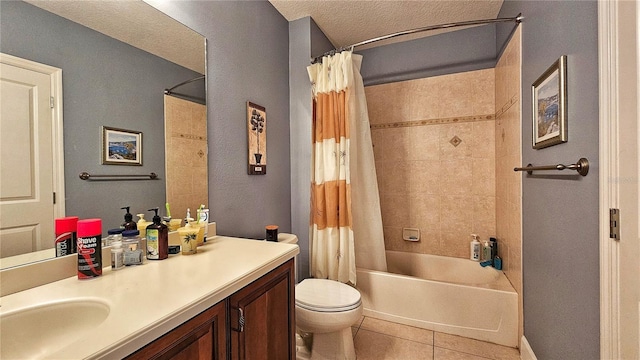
{"x": 337, "y": 345}
{"x": 303, "y": 344}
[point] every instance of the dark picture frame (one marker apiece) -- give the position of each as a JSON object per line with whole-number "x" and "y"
{"x": 256, "y": 139}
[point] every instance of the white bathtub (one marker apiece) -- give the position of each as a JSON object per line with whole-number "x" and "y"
{"x": 450, "y": 295}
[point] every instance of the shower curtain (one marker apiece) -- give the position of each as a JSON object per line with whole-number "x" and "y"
{"x": 346, "y": 224}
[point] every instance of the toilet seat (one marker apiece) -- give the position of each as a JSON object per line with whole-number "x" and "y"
{"x": 324, "y": 295}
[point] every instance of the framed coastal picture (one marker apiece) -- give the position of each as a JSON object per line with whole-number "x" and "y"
{"x": 550, "y": 106}
{"x": 256, "y": 139}
{"x": 121, "y": 147}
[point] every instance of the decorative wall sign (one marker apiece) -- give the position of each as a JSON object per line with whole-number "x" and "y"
{"x": 257, "y": 139}
{"x": 550, "y": 106}
{"x": 121, "y": 147}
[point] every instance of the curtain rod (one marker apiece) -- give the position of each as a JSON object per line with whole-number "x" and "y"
{"x": 168, "y": 91}
{"x": 517, "y": 20}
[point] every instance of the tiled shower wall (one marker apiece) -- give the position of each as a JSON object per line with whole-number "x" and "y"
{"x": 508, "y": 156}
{"x": 186, "y": 155}
{"x": 434, "y": 147}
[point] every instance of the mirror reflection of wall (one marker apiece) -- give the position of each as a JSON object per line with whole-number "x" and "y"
{"x": 105, "y": 83}
{"x": 187, "y": 156}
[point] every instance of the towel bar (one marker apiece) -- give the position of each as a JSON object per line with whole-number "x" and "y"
{"x": 582, "y": 167}
{"x": 86, "y": 176}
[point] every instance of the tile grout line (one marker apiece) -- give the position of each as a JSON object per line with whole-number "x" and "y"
{"x": 464, "y": 351}
{"x": 461, "y": 351}
{"x": 396, "y": 337}
{"x": 433, "y": 348}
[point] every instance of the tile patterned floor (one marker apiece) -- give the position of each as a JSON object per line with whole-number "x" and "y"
{"x": 382, "y": 340}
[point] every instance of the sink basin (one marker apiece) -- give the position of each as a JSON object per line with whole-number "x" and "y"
{"x": 37, "y": 331}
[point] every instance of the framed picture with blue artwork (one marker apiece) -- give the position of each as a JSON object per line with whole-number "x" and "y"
{"x": 121, "y": 147}
{"x": 550, "y": 106}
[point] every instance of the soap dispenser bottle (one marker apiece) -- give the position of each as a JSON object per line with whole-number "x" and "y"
{"x": 157, "y": 239}
{"x": 475, "y": 248}
{"x": 188, "y": 217}
{"x": 486, "y": 251}
{"x": 128, "y": 224}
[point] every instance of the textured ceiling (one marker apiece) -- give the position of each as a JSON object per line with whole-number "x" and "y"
{"x": 347, "y": 22}
{"x": 138, "y": 24}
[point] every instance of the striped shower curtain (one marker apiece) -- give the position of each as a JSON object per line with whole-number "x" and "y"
{"x": 346, "y": 225}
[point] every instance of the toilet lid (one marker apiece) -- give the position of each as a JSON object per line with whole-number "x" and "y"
{"x": 326, "y": 296}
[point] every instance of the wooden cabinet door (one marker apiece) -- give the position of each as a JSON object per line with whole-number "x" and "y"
{"x": 266, "y": 307}
{"x": 203, "y": 337}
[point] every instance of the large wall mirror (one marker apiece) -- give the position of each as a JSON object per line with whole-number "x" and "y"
{"x": 116, "y": 58}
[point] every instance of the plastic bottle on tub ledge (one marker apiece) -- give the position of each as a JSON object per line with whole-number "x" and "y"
{"x": 486, "y": 251}
{"x": 474, "y": 248}
{"x": 496, "y": 260}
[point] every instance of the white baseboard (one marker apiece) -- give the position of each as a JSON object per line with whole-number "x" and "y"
{"x": 525, "y": 350}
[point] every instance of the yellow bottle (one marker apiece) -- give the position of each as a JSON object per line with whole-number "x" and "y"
{"x": 142, "y": 223}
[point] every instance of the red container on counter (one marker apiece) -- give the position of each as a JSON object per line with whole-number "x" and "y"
{"x": 66, "y": 236}
{"x": 89, "y": 248}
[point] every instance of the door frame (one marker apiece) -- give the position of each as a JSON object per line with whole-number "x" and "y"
{"x": 611, "y": 68}
{"x": 57, "y": 129}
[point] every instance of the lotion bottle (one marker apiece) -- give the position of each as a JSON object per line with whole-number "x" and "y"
{"x": 157, "y": 239}
{"x": 475, "y": 248}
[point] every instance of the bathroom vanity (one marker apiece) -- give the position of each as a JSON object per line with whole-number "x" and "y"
{"x": 233, "y": 299}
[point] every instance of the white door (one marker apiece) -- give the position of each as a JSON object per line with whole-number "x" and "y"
{"x": 620, "y": 177}
{"x": 26, "y": 159}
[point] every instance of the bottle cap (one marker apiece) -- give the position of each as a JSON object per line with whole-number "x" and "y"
{"x": 130, "y": 233}
{"x": 66, "y": 224}
{"x": 89, "y": 227}
{"x": 114, "y": 231}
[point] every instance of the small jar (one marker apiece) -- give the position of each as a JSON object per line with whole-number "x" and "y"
{"x": 133, "y": 253}
{"x": 272, "y": 232}
{"x": 113, "y": 235}
{"x": 117, "y": 255}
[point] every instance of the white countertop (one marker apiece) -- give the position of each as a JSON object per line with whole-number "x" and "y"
{"x": 149, "y": 300}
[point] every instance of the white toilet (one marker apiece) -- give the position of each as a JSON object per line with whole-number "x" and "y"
{"x": 327, "y": 309}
